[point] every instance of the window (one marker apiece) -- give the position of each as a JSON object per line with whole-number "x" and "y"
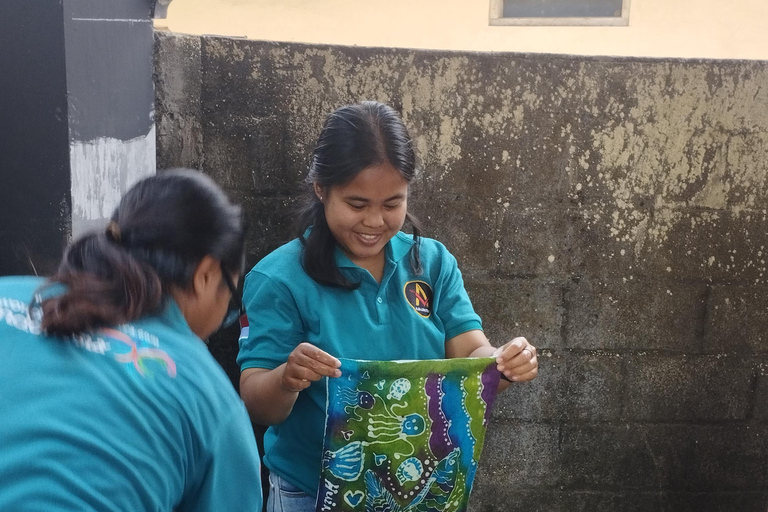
{"x": 560, "y": 12}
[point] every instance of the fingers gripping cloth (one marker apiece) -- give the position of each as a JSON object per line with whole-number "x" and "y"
{"x": 405, "y": 435}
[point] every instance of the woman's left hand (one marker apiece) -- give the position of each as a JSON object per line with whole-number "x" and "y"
{"x": 517, "y": 360}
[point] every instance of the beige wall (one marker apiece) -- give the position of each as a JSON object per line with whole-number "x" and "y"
{"x": 657, "y": 28}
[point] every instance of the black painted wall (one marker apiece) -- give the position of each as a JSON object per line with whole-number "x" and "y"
{"x": 104, "y": 60}
{"x": 75, "y": 79}
{"x": 34, "y": 147}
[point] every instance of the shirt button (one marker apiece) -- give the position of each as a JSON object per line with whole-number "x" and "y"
{"x": 379, "y": 300}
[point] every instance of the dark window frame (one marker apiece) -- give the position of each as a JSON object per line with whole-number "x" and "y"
{"x": 497, "y": 18}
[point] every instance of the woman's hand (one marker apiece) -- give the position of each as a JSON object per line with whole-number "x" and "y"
{"x": 308, "y": 364}
{"x": 517, "y": 361}
{"x": 269, "y": 395}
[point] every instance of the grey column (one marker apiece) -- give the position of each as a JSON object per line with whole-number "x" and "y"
{"x": 76, "y": 120}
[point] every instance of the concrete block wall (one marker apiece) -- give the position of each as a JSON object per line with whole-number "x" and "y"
{"x": 614, "y": 211}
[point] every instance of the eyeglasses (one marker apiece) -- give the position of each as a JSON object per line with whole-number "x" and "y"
{"x": 235, "y": 309}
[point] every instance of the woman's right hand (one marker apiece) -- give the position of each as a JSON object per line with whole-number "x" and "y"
{"x": 269, "y": 395}
{"x": 308, "y": 364}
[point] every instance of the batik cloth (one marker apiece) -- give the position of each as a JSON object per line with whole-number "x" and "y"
{"x": 405, "y": 435}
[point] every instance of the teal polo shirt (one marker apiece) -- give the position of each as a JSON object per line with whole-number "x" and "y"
{"x": 407, "y": 316}
{"x": 139, "y": 417}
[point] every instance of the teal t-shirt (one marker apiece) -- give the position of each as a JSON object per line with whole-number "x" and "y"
{"x": 139, "y": 417}
{"x": 407, "y": 316}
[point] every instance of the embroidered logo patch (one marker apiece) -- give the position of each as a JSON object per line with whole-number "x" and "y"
{"x": 419, "y": 296}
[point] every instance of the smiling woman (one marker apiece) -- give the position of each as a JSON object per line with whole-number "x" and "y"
{"x": 365, "y": 213}
{"x": 351, "y": 285}
{"x": 359, "y": 177}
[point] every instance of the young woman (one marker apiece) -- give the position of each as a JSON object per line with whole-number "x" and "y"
{"x": 110, "y": 399}
{"x": 354, "y": 286}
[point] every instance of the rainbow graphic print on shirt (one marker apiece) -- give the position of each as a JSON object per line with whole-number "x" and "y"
{"x": 404, "y": 436}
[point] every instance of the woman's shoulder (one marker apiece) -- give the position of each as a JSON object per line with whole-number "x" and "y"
{"x": 285, "y": 260}
{"x": 430, "y": 248}
{"x": 20, "y": 287}
{"x": 430, "y": 244}
{"x": 286, "y": 254}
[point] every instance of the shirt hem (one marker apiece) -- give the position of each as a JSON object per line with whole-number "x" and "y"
{"x": 260, "y": 365}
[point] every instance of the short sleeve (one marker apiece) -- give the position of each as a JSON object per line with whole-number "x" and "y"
{"x": 275, "y": 327}
{"x": 230, "y": 477}
{"x": 453, "y": 305}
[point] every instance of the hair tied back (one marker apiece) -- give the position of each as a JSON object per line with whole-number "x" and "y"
{"x": 113, "y": 232}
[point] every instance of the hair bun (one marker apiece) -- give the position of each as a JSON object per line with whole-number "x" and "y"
{"x": 113, "y": 232}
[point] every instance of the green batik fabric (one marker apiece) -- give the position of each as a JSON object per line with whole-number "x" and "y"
{"x": 405, "y": 435}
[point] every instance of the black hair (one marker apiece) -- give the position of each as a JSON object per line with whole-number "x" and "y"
{"x": 159, "y": 233}
{"x": 353, "y": 138}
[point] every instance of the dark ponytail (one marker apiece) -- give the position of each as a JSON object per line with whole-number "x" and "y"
{"x": 159, "y": 233}
{"x": 353, "y": 138}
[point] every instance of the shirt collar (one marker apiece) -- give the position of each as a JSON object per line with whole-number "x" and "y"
{"x": 400, "y": 245}
{"x": 172, "y": 316}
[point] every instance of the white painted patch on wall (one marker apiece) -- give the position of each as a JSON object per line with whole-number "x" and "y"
{"x": 102, "y": 170}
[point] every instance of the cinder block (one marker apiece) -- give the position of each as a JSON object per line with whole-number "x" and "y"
{"x": 534, "y": 154}
{"x": 606, "y": 134}
{"x": 725, "y": 168}
{"x": 519, "y": 307}
{"x": 735, "y": 501}
{"x": 692, "y": 388}
{"x": 636, "y": 314}
{"x": 524, "y": 455}
{"x": 737, "y": 319}
{"x": 247, "y": 153}
{"x": 497, "y": 118}
{"x": 539, "y": 400}
{"x": 468, "y": 228}
{"x": 270, "y": 223}
{"x": 534, "y": 242}
{"x": 644, "y": 135}
{"x": 760, "y": 411}
{"x": 177, "y": 81}
{"x": 709, "y": 458}
{"x": 607, "y": 457}
{"x": 489, "y": 495}
{"x": 179, "y": 141}
{"x": 624, "y": 500}
{"x": 238, "y": 78}
{"x": 604, "y": 241}
{"x": 508, "y": 165}
{"x": 497, "y": 496}
{"x": 178, "y": 74}
{"x": 595, "y": 388}
{"x": 718, "y": 246}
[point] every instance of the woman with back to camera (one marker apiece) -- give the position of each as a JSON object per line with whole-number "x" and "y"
{"x": 342, "y": 290}
{"x": 110, "y": 399}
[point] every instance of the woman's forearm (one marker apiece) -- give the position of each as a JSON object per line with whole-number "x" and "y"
{"x": 267, "y": 400}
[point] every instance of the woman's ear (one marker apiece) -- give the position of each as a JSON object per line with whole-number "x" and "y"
{"x": 319, "y": 191}
{"x": 207, "y": 274}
